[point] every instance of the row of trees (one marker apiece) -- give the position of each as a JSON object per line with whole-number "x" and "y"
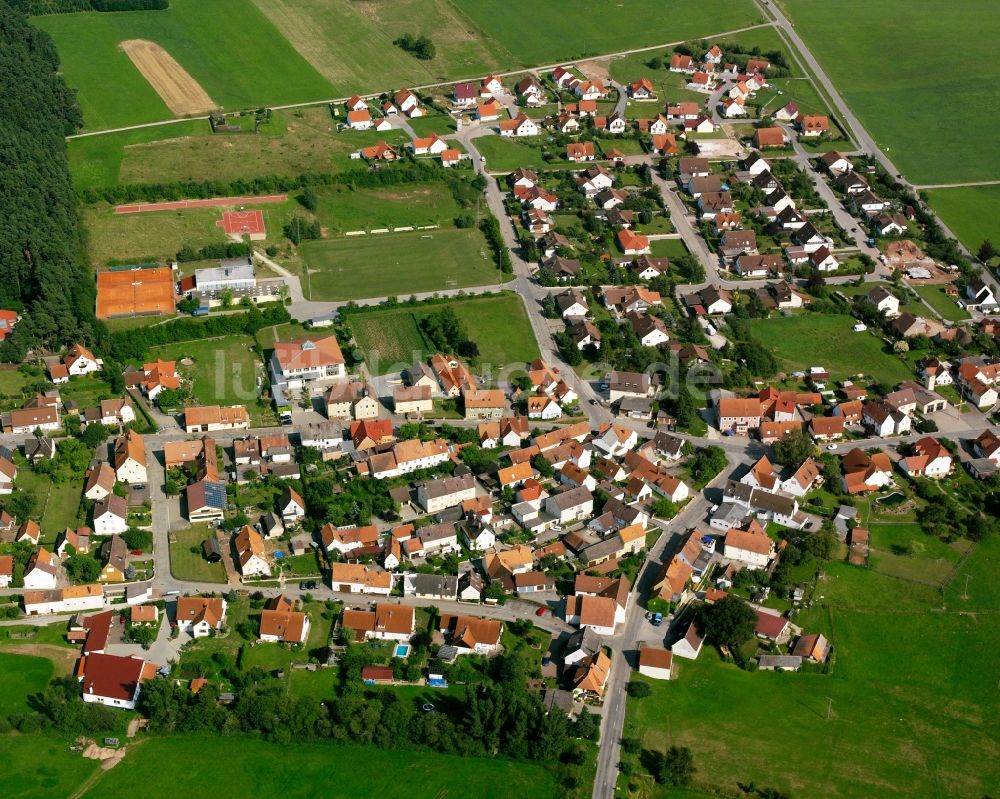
{"x": 40, "y": 7}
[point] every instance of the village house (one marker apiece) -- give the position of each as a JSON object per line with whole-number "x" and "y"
{"x": 385, "y": 623}
{"x": 200, "y": 616}
{"x": 251, "y": 554}
{"x": 356, "y": 578}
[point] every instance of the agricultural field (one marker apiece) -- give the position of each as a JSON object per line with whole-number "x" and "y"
{"x": 187, "y": 565}
{"x": 222, "y": 371}
{"x": 23, "y": 675}
{"x": 901, "y": 77}
{"x": 351, "y": 45}
{"x": 499, "y": 325}
{"x": 813, "y": 339}
{"x": 250, "y": 767}
{"x": 917, "y": 687}
{"x": 228, "y": 47}
{"x": 397, "y": 263}
{"x": 972, "y": 213}
{"x": 543, "y": 33}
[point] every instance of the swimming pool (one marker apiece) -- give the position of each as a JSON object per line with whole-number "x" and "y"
{"x": 401, "y": 650}
{"x": 895, "y": 498}
{"x": 278, "y": 554}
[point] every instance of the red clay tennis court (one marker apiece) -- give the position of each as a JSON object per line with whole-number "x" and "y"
{"x": 243, "y": 223}
{"x": 135, "y": 292}
{"x": 217, "y": 202}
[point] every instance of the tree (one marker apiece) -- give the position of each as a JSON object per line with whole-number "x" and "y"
{"x": 794, "y": 448}
{"x": 676, "y": 767}
{"x": 82, "y": 568}
{"x": 986, "y": 251}
{"x": 728, "y": 622}
{"x": 639, "y": 690}
{"x": 308, "y": 198}
{"x": 585, "y": 726}
{"x": 95, "y": 434}
{"x": 543, "y": 466}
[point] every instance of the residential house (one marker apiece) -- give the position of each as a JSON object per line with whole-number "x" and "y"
{"x": 471, "y": 635}
{"x": 356, "y": 578}
{"x": 200, "y": 616}
{"x": 251, "y": 554}
{"x": 114, "y": 560}
{"x": 113, "y": 680}
{"x": 929, "y": 458}
{"x": 110, "y": 515}
{"x": 385, "y": 623}
{"x": 656, "y": 663}
{"x": 209, "y": 418}
{"x": 483, "y": 404}
{"x": 446, "y": 492}
{"x": 130, "y": 459}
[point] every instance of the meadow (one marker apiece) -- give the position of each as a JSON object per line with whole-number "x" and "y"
{"x": 23, "y": 675}
{"x": 39, "y": 766}
{"x": 351, "y": 45}
{"x": 499, "y": 325}
{"x": 543, "y": 33}
{"x": 506, "y": 155}
{"x": 916, "y": 687}
{"x": 252, "y": 768}
{"x": 972, "y": 213}
{"x": 57, "y": 505}
{"x": 223, "y": 372}
{"x": 185, "y": 564}
{"x": 397, "y": 263}
{"x": 900, "y": 74}
{"x": 228, "y": 46}
{"x": 813, "y": 339}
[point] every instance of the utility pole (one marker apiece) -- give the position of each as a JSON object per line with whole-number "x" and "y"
{"x": 829, "y": 708}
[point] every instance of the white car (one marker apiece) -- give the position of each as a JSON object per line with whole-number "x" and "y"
{"x": 832, "y": 448}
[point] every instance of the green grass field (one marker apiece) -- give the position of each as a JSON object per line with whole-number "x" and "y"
{"x": 351, "y": 44}
{"x": 905, "y": 551}
{"x": 185, "y": 564}
{"x": 542, "y": 33}
{"x": 253, "y": 769}
{"x": 899, "y": 73}
{"x": 941, "y": 302}
{"x": 917, "y": 687}
{"x": 506, "y": 155}
{"x": 23, "y": 675}
{"x": 56, "y": 504}
{"x": 391, "y": 340}
{"x": 812, "y": 339}
{"x": 25, "y": 777}
{"x": 397, "y": 263}
{"x": 972, "y": 213}
{"x": 399, "y": 206}
{"x": 223, "y": 371}
{"x": 228, "y": 46}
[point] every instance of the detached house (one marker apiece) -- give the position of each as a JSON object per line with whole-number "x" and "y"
{"x": 200, "y": 616}
{"x": 930, "y": 458}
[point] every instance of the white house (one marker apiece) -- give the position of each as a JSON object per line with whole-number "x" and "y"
{"x": 113, "y": 680}
{"x": 656, "y": 663}
{"x": 479, "y": 539}
{"x": 110, "y": 515}
{"x": 885, "y": 301}
{"x": 753, "y": 546}
{"x": 81, "y": 361}
{"x": 570, "y": 506}
{"x": 41, "y": 571}
{"x": 130, "y": 459}
{"x": 689, "y": 646}
{"x": 200, "y": 616}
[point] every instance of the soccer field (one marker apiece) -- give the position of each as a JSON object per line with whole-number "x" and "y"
{"x": 228, "y": 46}
{"x": 398, "y": 264}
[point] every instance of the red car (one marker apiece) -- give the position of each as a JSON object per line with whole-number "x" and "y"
{"x": 136, "y": 551}
{"x": 541, "y": 611}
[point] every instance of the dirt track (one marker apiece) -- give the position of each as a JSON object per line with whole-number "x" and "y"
{"x": 176, "y": 87}
{"x": 215, "y": 202}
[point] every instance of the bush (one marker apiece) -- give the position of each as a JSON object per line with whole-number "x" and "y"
{"x": 639, "y": 690}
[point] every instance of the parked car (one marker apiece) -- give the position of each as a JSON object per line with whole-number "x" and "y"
{"x": 657, "y": 619}
{"x": 541, "y": 611}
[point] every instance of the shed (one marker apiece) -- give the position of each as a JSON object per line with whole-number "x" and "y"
{"x": 211, "y": 549}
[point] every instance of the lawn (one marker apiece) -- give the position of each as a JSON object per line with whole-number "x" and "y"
{"x": 668, "y": 248}
{"x": 972, "y": 213}
{"x": 506, "y": 155}
{"x": 223, "y": 370}
{"x": 23, "y": 675}
{"x": 351, "y": 44}
{"x": 814, "y": 339}
{"x": 342, "y": 209}
{"x": 25, "y": 777}
{"x": 915, "y": 687}
{"x": 542, "y": 33}
{"x": 56, "y": 504}
{"x": 941, "y": 302}
{"x": 390, "y": 339}
{"x": 188, "y": 565}
{"x": 250, "y": 769}
{"x": 397, "y": 263}
{"x": 904, "y": 60}
{"x": 905, "y": 551}
{"x": 227, "y": 46}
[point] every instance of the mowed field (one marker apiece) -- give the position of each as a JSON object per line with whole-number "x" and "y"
{"x": 397, "y": 263}
{"x": 543, "y": 32}
{"x": 914, "y": 686}
{"x": 253, "y": 769}
{"x": 39, "y": 766}
{"x": 902, "y": 71}
{"x": 390, "y": 339}
{"x": 350, "y": 43}
{"x": 812, "y": 339}
{"x": 23, "y": 675}
{"x": 224, "y": 370}
{"x": 229, "y": 47}
{"x": 972, "y": 213}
